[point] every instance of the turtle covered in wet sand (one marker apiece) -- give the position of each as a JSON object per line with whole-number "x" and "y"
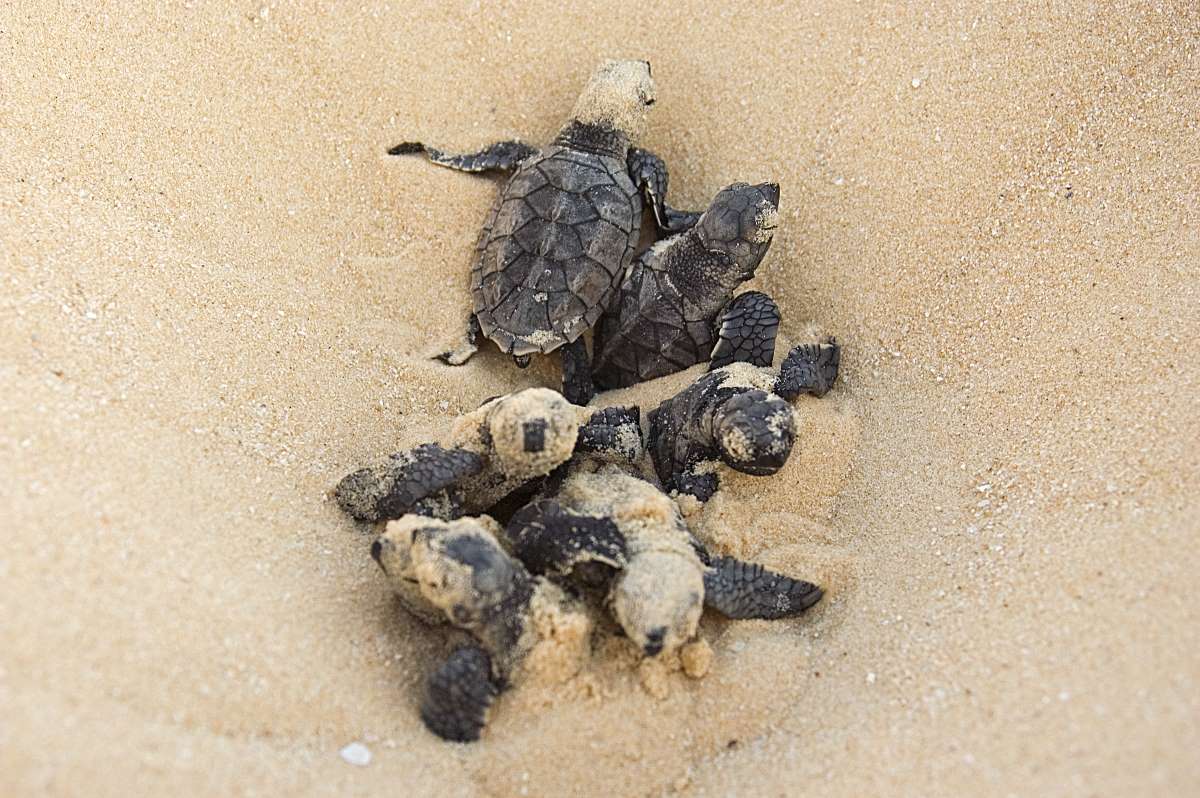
{"x": 657, "y": 576}
{"x": 676, "y": 307}
{"x": 504, "y": 444}
{"x": 737, "y": 415}
{"x": 457, "y": 571}
{"x": 565, "y": 225}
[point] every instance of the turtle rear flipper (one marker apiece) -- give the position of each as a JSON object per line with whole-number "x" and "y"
{"x": 461, "y": 351}
{"x": 548, "y": 539}
{"x": 747, "y": 331}
{"x": 809, "y": 368}
{"x": 578, "y": 387}
{"x": 458, "y": 695}
{"x": 740, "y": 590}
{"x": 407, "y": 482}
{"x": 503, "y": 156}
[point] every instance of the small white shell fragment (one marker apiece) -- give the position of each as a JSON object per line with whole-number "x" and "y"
{"x": 356, "y": 754}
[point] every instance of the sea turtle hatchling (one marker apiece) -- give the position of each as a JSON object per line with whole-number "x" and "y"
{"x": 737, "y": 415}
{"x": 676, "y": 307}
{"x": 457, "y": 571}
{"x": 656, "y": 576}
{"x": 564, "y": 227}
{"x": 490, "y": 452}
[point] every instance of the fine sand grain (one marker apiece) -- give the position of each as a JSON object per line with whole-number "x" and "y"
{"x": 217, "y": 295}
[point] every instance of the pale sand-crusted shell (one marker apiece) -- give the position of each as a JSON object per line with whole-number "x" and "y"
{"x": 505, "y": 425}
{"x": 403, "y": 564}
{"x": 452, "y": 579}
{"x": 696, "y": 658}
{"x": 561, "y": 636}
{"x": 495, "y": 432}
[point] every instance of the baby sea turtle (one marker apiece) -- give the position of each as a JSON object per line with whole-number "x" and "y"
{"x": 458, "y": 571}
{"x": 490, "y": 452}
{"x": 675, "y": 305}
{"x": 737, "y": 415}
{"x": 563, "y": 230}
{"x": 659, "y": 577}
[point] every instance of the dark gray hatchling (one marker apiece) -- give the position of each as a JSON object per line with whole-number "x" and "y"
{"x": 563, "y": 231}
{"x": 737, "y": 415}
{"x": 676, "y": 307}
{"x": 490, "y": 452}
{"x": 609, "y": 527}
{"x": 457, "y": 571}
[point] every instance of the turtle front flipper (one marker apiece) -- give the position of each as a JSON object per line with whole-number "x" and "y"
{"x": 422, "y": 480}
{"x": 740, "y": 590}
{"x": 649, "y": 174}
{"x": 809, "y": 368}
{"x": 550, "y": 540}
{"x": 503, "y": 156}
{"x": 614, "y": 433}
{"x": 458, "y": 695}
{"x": 747, "y": 331}
{"x": 694, "y": 482}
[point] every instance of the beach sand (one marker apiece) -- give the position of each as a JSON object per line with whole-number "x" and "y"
{"x": 218, "y": 294}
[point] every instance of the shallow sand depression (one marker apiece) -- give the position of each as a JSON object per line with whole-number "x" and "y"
{"x": 217, "y": 297}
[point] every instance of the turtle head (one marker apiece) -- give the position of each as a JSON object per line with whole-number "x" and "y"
{"x": 393, "y": 549}
{"x": 618, "y": 95}
{"x": 658, "y": 601}
{"x": 740, "y": 223}
{"x": 754, "y": 431}
{"x": 396, "y": 553}
{"x": 533, "y": 432}
{"x": 462, "y": 570}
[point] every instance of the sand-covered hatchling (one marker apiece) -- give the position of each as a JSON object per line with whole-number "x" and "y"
{"x": 519, "y": 624}
{"x": 737, "y": 415}
{"x": 490, "y": 452}
{"x": 676, "y": 306}
{"x": 621, "y": 533}
{"x": 564, "y": 227}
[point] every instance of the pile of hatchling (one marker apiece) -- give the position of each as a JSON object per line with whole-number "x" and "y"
{"x": 537, "y": 513}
